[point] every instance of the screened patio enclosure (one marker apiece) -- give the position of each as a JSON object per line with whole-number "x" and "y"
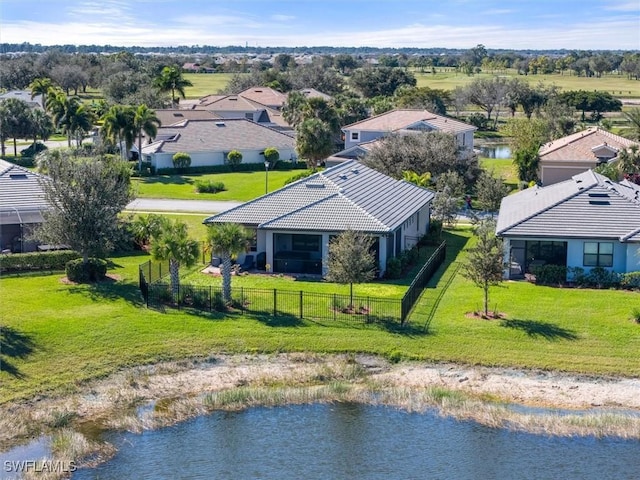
{"x": 527, "y": 254}
{"x": 16, "y": 226}
{"x": 297, "y": 253}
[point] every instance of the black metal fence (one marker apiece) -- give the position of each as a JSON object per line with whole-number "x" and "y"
{"x": 286, "y": 303}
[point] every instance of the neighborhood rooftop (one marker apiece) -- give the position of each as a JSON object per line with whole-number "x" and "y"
{"x": 21, "y": 195}
{"x": 584, "y": 145}
{"x": 347, "y": 196}
{"x": 396, "y": 120}
{"x": 216, "y": 134}
{"x": 588, "y": 205}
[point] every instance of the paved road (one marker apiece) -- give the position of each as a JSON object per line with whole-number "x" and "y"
{"x": 169, "y": 205}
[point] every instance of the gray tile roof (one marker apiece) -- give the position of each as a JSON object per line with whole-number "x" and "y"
{"x": 217, "y": 135}
{"x": 586, "y": 206}
{"x": 21, "y": 195}
{"x": 347, "y": 196}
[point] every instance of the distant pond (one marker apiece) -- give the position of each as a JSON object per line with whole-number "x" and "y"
{"x": 353, "y": 441}
{"x": 495, "y": 150}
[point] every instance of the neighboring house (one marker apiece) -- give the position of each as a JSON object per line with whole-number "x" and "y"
{"x": 409, "y": 121}
{"x": 25, "y": 96}
{"x": 209, "y": 141}
{"x": 237, "y": 106}
{"x": 568, "y": 156}
{"x": 313, "y": 93}
{"x": 265, "y": 96}
{"x": 354, "y": 153}
{"x": 21, "y": 205}
{"x": 172, "y": 116}
{"x": 587, "y": 221}
{"x": 293, "y": 225}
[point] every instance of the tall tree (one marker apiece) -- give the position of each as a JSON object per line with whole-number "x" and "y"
{"x": 227, "y": 240}
{"x": 15, "y": 121}
{"x": 488, "y": 94}
{"x": 144, "y": 121}
{"x": 70, "y": 115}
{"x": 86, "y": 197}
{"x": 633, "y": 117}
{"x": 314, "y": 141}
{"x": 485, "y": 260}
{"x": 381, "y": 81}
{"x": 490, "y": 191}
{"x": 41, "y": 86}
{"x": 174, "y": 245}
{"x": 171, "y": 80}
{"x": 41, "y": 124}
{"x": 351, "y": 260}
{"x": 119, "y": 127}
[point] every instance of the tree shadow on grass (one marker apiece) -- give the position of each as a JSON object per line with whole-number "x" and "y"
{"x": 14, "y": 345}
{"x": 279, "y": 320}
{"x": 534, "y": 328}
{"x": 407, "y": 330}
{"x": 110, "y": 290}
{"x": 168, "y": 180}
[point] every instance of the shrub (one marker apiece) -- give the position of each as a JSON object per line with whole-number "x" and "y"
{"x": 550, "y": 274}
{"x": 33, "y": 149}
{"x": 217, "y": 302}
{"x": 181, "y": 161}
{"x": 234, "y": 158}
{"x": 209, "y": 186}
{"x": 271, "y": 155}
{"x": 298, "y": 176}
{"x": 394, "y": 268}
{"x": 93, "y": 271}
{"x": 602, "y": 278}
{"x": 630, "y": 280}
{"x": 635, "y": 314}
{"x": 478, "y": 120}
{"x": 55, "y": 260}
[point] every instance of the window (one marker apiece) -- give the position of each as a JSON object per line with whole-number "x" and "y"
{"x": 598, "y": 254}
{"x": 355, "y": 136}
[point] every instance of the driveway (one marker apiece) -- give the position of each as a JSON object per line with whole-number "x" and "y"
{"x": 169, "y": 205}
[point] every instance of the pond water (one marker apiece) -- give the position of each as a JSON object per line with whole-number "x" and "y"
{"x": 495, "y": 151}
{"x": 352, "y": 441}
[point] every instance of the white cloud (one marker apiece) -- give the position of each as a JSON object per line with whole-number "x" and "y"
{"x": 633, "y": 6}
{"x": 283, "y": 18}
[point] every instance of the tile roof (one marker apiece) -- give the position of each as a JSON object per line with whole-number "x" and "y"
{"x": 217, "y": 135}
{"x": 580, "y": 146}
{"x": 170, "y": 116}
{"x": 347, "y": 196}
{"x": 588, "y": 205}
{"x": 400, "y": 119}
{"x": 313, "y": 93}
{"x": 20, "y": 189}
{"x": 265, "y": 96}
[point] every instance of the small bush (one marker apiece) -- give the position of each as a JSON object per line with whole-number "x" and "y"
{"x": 217, "y": 302}
{"x": 635, "y": 314}
{"x": 32, "y": 150}
{"x": 478, "y": 120}
{"x": 271, "y": 155}
{"x": 234, "y": 158}
{"x": 209, "y": 186}
{"x": 550, "y": 274}
{"x": 394, "y": 268}
{"x": 181, "y": 161}
{"x": 602, "y": 278}
{"x": 630, "y": 280}
{"x": 93, "y": 271}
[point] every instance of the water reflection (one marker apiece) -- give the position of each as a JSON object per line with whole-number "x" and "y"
{"x": 495, "y": 151}
{"x": 347, "y": 441}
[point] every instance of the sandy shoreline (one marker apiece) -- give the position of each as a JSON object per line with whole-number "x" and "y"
{"x": 104, "y": 401}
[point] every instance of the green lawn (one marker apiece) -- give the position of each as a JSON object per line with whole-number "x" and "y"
{"x": 56, "y": 336}
{"x": 501, "y": 167}
{"x": 205, "y": 83}
{"x": 617, "y": 85}
{"x": 240, "y": 186}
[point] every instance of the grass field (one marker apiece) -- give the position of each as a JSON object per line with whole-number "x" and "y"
{"x": 57, "y": 336}
{"x": 502, "y": 168}
{"x": 205, "y": 83}
{"x": 240, "y": 186}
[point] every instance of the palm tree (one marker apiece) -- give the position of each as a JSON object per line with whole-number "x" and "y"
{"x": 41, "y": 125}
{"x": 41, "y": 86}
{"x": 173, "y": 244}
{"x": 70, "y": 115}
{"x": 145, "y": 120}
{"x": 170, "y": 80}
{"x": 633, "y": 116}
{"x": 118, "y": 127}
{"x": 227, "y": 239}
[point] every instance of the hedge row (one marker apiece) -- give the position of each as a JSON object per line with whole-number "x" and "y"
{"x": 243, "y": 167}
{"x": 16, "y": 262}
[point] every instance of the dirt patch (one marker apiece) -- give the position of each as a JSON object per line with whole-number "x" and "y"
{"x": 109, "y": 278}
{"x": 486, "y": 316}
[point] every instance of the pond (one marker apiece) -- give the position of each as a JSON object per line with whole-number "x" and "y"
{"x": 495, "y": 150}
{"x": 353, "y": 441}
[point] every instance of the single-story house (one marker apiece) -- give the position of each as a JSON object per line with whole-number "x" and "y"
{"x": 576, "y": 153}
{"x": 21, "y": 205}
{"x": 265, "y": 96}
{"x": 293, "y": 225}
{"x": 25, "y": 96}
{"x": 209, "y": 141}
{"x": 237, "y": 106}
{"x": 587, "y": 221}
{"x": 409, "y": 121}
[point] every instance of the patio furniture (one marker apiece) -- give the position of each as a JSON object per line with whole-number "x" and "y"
{"x": 247, "y": 264}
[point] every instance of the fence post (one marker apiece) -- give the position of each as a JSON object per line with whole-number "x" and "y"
{"x": 301, "y": 302}
{"x": 275, "y": 302}
{"x": 210, "y": 298}
{"x": 242, "y": 300}
{"x": 149, "y": 277}
{"x": 334, "y": 307}
{"x": 368, "y": 308}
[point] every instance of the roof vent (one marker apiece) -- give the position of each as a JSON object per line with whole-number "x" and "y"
{"x": 354, "y": 170}
{"x": 18, "y": 176}
{"x": 314, "y": 185}
{"x": 343, "y": 177}
{"x": 599, "y": 202}
{"x": 220, "y": 124}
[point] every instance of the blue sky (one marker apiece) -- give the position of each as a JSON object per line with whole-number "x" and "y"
{"x": 515, "y": 24}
